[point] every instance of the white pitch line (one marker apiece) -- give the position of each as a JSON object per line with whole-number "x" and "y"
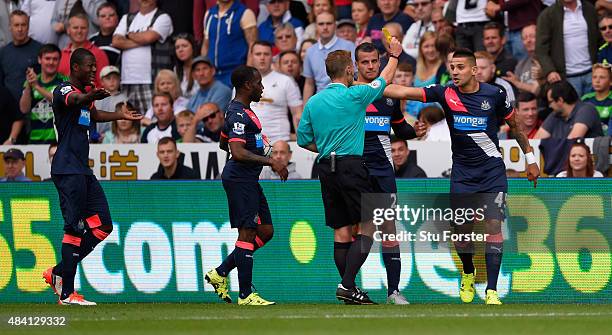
{"x": 360, "y": 316}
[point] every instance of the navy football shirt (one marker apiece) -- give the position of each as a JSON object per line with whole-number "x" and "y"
{"x": 472, "y": 119}
{"x": 380, "y": 115}
{"x": 72, "y": 125}
{"x": 242, "y": 125}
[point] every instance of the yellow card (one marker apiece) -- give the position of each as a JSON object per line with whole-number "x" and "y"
{"x": 387, "y": 35}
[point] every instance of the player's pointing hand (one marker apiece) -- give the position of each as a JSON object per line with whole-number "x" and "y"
{"x": 533, "y": 172}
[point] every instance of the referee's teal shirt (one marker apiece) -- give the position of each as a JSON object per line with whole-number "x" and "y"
{"x": 334, "y": 119}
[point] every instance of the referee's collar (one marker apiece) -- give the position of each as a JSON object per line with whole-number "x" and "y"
{"x": 336, "y": 84}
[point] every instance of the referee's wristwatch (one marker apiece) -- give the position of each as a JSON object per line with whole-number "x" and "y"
{"x": 393, "y": 56}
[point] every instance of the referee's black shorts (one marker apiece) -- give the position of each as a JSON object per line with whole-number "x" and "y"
{"x": 341, "y": 190}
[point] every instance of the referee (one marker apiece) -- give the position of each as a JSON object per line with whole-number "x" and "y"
{"x": 333, "y": 124}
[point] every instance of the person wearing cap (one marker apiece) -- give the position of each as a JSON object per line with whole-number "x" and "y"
{"x": 14, "y": 162}
{"x": 211, "y": 90}
{"x": 110, "y": 77}
{"x": 279, "y": 14}
{"x": 37, "y": 95}
{"x": 78, "y": 30}
{"x": 347, "y": 30}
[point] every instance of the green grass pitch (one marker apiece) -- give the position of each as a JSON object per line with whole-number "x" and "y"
{"x": 151, "y": 319}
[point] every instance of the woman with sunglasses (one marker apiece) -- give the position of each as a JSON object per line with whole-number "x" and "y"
{"x": 185, "y": 49}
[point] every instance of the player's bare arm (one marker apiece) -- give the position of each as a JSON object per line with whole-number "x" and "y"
{"x": 400, "y": 92}
{"x": 123, "y": 114}
{"x": 241, "y": 154}
{"x": 533, "y": 171}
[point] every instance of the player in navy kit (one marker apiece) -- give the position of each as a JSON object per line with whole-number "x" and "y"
{"x": 87, "y": 219}
{"x": 382, "y": 115}
{"x": 248, "y": 207}
{"x": 472, "y": 111}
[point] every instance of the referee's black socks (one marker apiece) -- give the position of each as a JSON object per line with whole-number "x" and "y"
{"x": 356, "y": 256}
{"x": 340, "y": 251}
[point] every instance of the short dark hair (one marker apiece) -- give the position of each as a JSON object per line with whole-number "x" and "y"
{"x": 163, "y": 94}
{"x": 166, "y": 140}
{"x": 563, "y": 89}
{"x": 495, "y": 26}
{"x": 106, "y": 5}
{"x": 526, "y": 97}
{"x": 405, "y": 67}
{"x": 262, "y": 43}
{"x": 395, "y": 139}
{"x": 465, "y": 53}
{"x": 19, "y": 12}
{"x": 49, "y": 48}
{"x": 289, "y": 52}
{"x": 242, "y": 75}
{"x": 365, "y": 47}
{"x": 79, "y": 55}
{"x": 368, "y": 3}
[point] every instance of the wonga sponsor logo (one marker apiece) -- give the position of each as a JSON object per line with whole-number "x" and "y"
{"x": 378, "y": 123}
{"x": 465, "y": 122}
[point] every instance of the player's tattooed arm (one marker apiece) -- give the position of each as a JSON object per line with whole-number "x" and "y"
{"x": 533, "y": 171}
{"x": 515, "y": 130}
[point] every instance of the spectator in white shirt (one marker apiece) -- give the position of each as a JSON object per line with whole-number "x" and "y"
{"x": 579, "y": 163}
{"x": 410, "y": 43}
{"x": 280, "y": 92}
{"x": 138, "y": 66}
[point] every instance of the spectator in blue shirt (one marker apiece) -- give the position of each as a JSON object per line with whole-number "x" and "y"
{"x": 389, "y": 12}
{"x": 229, "y": 29}
{"x": 279, "y": 14}
{"x": 211, "y": 90}
{"x": 314, "y": 62}
{"x": 14, "y": 162}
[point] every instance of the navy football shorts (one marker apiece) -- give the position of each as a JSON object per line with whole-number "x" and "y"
{"x": 247, "y": 204}
{"x": 80, "y": 197}
{"x": 482, "y": 186}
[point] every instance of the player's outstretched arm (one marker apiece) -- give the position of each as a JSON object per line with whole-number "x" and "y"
{"x": 85, "y": 99}
{"x": 400, "y": 92}
{"x": 241, "y": 154}
{"x": 123, "y": 114}
{"x": 533, "y": 171}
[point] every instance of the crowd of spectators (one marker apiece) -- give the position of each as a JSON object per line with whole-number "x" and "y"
{"x": 171, "y": 61}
